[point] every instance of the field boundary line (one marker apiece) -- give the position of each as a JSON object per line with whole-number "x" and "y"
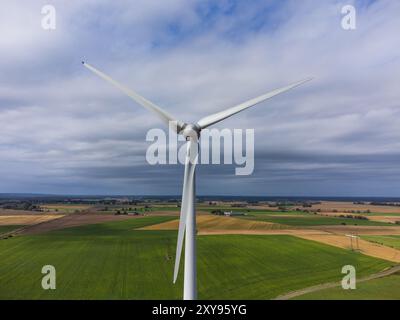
{"x": 296, "y": 293}
{"x": 22, "y": 229}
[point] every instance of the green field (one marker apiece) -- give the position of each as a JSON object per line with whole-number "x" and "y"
{"x": 5, "y": 229}
{"x": 313, "y": 220}
{"x": 378, "y": 289}
{"x": 114, "y": 261}
{"x": 382, "y": 214}
{"x": 286, "y": 213}
{"x": 390, "y": 241}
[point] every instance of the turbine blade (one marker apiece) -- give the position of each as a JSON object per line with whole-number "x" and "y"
{"x": 187, "y": 202}
{"x": 163, "y": 115}
{"x": 219, "y": 116}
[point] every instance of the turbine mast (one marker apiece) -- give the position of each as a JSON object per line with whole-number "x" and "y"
{"x": 190, "y": 274}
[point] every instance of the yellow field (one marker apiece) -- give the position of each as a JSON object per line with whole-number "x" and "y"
{"x": 26, "y": 219}
{"x": 215, "y": 223}
{"x": 365, "y": 247}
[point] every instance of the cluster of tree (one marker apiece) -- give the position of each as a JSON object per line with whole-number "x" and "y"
{"x": 125, "y": 212}
{"x": 118, "y": 212}
{"x": 358, "y": 211}
{"x": 392, "y": 204}
{"x": 308, "y": 211}
{"x": 28, "y": 206}
{"x": 217, "y": 212}
{"x": 349, "y": 216}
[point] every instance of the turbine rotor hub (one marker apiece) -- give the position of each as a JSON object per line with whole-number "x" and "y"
{"x": 191, "y": 131}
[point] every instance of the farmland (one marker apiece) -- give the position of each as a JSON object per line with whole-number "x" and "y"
{"x": 113, "y": 260}
{"x": 378, "y": 289}
{"x": 312, "y": 220}
{"x": 389, "y": 240}
{"x": 8, "y": 228}
{"x": 126, "y": 249}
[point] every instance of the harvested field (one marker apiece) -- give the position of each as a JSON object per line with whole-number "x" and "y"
{"x": 74, "y": 221}
{"x": 26, "y": 219}
{"x": 365, "y": 247}
{"x": 218, "y": 223}
{"x": 11, "y": 212}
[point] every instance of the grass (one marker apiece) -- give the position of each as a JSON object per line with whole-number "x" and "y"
{"x": 282, "y": 213}
{"x": 8, "y": 228}
{"x": 115, "y": 261}
{"x": 381, "y": 214}
{"x": 263, "y": 267}
{"x": 386, "y": 288}
{"x": 390, "y": 241}
{"x": 65, "y": 208}
{"x": 314, "y": 220}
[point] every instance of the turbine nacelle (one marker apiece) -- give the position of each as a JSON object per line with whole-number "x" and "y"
{"x": 191, "y": 131}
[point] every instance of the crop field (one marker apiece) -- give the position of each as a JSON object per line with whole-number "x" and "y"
{"x": 382, "y": 214}
{"x": 390, "y": 241}
{"x": 211, "y": 222}
{"x": 65, "y": 208}
{"x": 313, "y": 220}
{"x": 114, "y": 260}
{"x": 378, "y": 289}
{"x": 5, "y": 229}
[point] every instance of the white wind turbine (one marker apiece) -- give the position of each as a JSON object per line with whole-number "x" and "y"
{"x": 191, "y": 132}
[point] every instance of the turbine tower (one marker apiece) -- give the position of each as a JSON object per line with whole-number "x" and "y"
{"x": 191, "y": 132}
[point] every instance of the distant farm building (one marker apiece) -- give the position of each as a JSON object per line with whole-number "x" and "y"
{"x": 233, "y": 213}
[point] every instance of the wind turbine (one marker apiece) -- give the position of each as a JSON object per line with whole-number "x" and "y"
{"x": 191, "y": 132}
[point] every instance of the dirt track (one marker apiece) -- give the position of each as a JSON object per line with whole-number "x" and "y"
{"x": 319, "y": 287}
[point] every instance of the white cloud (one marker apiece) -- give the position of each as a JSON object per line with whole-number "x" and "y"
{"x": 54, "y": 112}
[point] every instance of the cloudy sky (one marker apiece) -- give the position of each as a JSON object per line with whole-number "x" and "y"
{"x": 63, "y": 130}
